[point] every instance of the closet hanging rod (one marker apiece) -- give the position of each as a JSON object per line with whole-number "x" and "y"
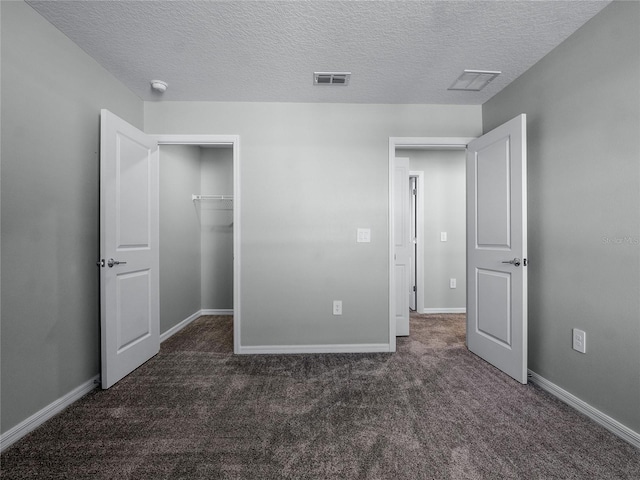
{"x": 195, "y": 197}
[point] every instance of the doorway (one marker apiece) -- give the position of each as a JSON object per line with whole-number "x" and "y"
{"x": 400, "y": 146}
{"x": 210, "y": 199}
{"x": 438, "y": 191}
{"x": 496, "y": 202}
{"x": 130, "y": 244}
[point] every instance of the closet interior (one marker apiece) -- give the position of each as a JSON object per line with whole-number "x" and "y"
{"x": 196, "y": 232}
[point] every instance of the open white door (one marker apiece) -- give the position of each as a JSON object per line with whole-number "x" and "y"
{"x": 402, "y": 244}
{"x": 413, "y": 235}
{"x": 129, "y": 282}
{"x": 497, "y": 247}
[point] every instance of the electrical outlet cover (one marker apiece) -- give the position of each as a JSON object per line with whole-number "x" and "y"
{"x": 337, "y": 307}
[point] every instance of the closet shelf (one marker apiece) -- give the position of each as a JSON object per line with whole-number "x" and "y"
{"x": 214, "y": 202}
{"x": 195, "y": 197}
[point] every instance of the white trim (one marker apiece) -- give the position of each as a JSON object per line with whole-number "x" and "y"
{"x": 216, "y": 311}
{"x": 229, "y": 140}
{"x": 234, "y": 142}
{"x": 207, "y": 311}
{"x": 176, "y": 328}
{"x": 431, "y": 143}
{"x": 34, "y": 421}
{"x": 593, "y": 413}
{"x": 444, "y": 310}
{"x": 392, "y": 276}
{"x": 236, "y": 245}
{"x": 339, "y": 348}
{"x": 412, "y": 143}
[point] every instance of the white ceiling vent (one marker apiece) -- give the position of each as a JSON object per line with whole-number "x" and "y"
{"x": 331, "y": 78}
{"x": 473, "y": 80}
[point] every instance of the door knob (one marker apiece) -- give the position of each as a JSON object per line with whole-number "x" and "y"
{"x": 111, "y": 262}
{"x": 515, "y": 262}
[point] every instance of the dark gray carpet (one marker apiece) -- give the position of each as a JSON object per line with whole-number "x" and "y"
{"x": 431, "y": 411}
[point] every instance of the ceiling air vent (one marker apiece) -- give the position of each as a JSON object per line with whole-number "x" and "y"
{"x": 331, "y": 78}
{"x": 473, "y": 80}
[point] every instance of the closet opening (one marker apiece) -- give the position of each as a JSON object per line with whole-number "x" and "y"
{"x": 199, "y": 231}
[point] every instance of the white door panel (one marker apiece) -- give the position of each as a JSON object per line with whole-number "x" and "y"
{"x": 129, "y": 280}
{"x": 133, "y": 314}
{"x": 496, "y": 235}
{"x": 402, "y": 243}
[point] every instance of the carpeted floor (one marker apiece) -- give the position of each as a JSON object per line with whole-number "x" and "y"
{"x": 431, "y": 411}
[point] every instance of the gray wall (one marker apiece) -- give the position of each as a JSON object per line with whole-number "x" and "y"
{"x": 216, "y": 226}
{"x": 180, "y": 254}
{"x": 444, "y": 210}
{"x": 583, "y": 107}
{"x": 52, "y": 93}
{"x": 311, "y": 174}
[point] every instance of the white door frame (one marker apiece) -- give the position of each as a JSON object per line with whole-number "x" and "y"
{"x": 234, "y": 142}
{"x": 432, "y": 143}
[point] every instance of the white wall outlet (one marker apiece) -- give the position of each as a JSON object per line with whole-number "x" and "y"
{"x": 579, "y": 341}
{"x": 337, "y": 307}
{"x": 364, "y": 235}
{"x": 443, "y": 236}
{"x": 452, "y": 283}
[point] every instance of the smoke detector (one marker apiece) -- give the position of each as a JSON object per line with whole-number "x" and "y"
{"x": 474, "y": 80}
{"x": 159, "y": 86}
{"x": 331, "y": 78}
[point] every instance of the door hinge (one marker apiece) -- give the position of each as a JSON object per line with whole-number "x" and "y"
{"x": 414, "y": 192}
{"x": 414, "y": 288}
{"x": 524, "y": 262}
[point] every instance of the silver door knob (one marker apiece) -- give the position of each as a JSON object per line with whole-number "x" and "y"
{"x": 111, "y": 262}
{"x": 515, "y": 262}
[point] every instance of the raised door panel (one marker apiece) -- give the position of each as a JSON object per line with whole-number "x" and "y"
{"x": 133, "y": 178}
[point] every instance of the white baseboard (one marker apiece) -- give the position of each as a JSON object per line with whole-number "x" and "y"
{"x": 593, "y": 413}
{"x": 34, "y": 421}
{"x": 176, "y": 328}
{"x": 340, "y": 348}
{"x": 445, "y": 310}
{"x": 216, "y": 311}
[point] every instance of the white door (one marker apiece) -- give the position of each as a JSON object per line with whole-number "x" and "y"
{"x": 402, "y": 244}
{"x": 129, "y": 286}
{"x": 497, "y": 247}
{"x": 413, "y": 233}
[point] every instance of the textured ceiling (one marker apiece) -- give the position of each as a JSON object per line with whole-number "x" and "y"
{"x": 267, "y": 51}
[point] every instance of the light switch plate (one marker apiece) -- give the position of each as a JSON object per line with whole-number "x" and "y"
{"x": 364, "y": 235}
{"x": 579, "y": 340}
